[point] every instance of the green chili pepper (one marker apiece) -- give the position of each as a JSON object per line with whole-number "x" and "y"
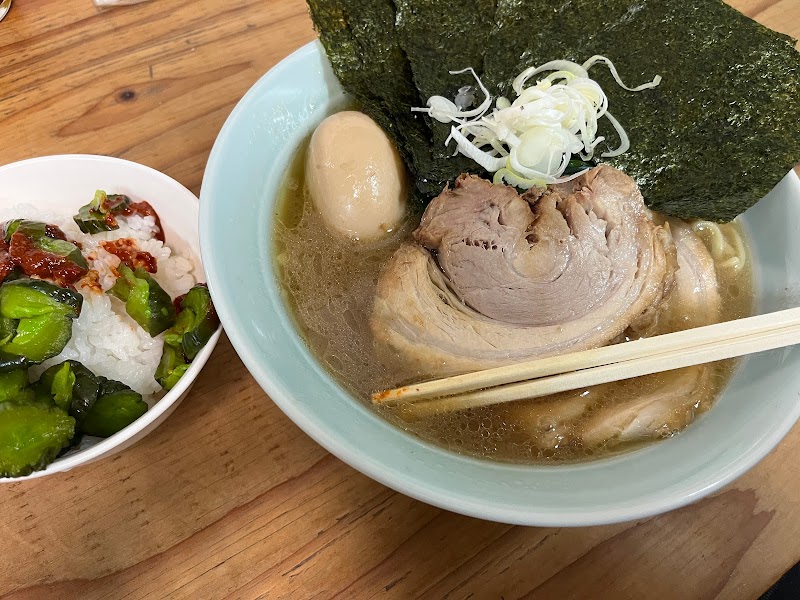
{"x": 175, "y": 376}
{"x": 37, "y": 422}
{"x": 98, "y": 215}
{"x": 145, "y": 301}
{"x": 174, "y": 335}
{"x": 196, "y": 323}
{"x": 36, "y": 231}
{"x": 23, "y": 298}
{"x": 9, "y": 228}
{"x": 197, "y": 303}
{"x": 78, "y": 397}
{"x": 110, "y": 386}
{"x": 40, "y": 338}
{"x": 14, "y": 385}
{"x": 36, "y": 320}
{"x": 100, "y": 406}
{"x": 84, "y": 392}
{"x": 31, "y": 436}
{"x": 113, "y": 412}
{"x": 32, "y": 229}
{"x": 62, "y": 248}
{"x": 172, "y": 366}
{"x": 58, "y": 383}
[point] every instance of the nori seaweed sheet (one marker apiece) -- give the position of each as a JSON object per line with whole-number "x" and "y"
{"x": 718, "y": 133}
{"x": 433, "y": 50}
{"x": 363, "y": 46}
{"x": 720, "y": 130}
{"x": 361, "y": 43}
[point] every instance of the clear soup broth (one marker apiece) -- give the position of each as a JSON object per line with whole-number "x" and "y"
{"x": 328, "y": 284}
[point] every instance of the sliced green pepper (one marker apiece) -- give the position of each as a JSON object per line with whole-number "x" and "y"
{"x": 40, "y": 338}
{"x": 36, "y": 320}
{"x": 113, "y": 412}
{"x": 62, "y": 386}
{"x": 32, "y": 229}
{"x": 9, "y": 228}
{"x": 100, "y": 406}
{"x": 196, "y": 323}
{"x": 14, "y": 385}
{"x": 145, "y": 301}
{"x": 31, "y": 436}
{"x": 197, "y": 302}
{"x": 98, "y": 215}
{"x": 36, "y": 231}
{"x": 174, "y": 376}
{"x": 23, "y": 298}
{"x": 174, "y": 335}
{"x": 58, "y": 383}
{"x": 172, "y": 366}
{"x": 62, "y": 248}
{"x": 76, "y": 386}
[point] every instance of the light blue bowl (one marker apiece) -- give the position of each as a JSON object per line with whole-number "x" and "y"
{"x": 244, "y": 172}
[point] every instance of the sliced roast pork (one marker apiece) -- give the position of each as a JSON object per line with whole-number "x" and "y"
{"x": 651, "y": 407}
{"x": 659, "y": 413}
{"x": 696, "y": 299}
{"x": 495, "y": 277}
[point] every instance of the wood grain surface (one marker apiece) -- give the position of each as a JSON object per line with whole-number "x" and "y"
{"x": 228, "y": 499}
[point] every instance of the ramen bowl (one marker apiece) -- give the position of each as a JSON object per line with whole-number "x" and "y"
{"x": 243, "y": 177}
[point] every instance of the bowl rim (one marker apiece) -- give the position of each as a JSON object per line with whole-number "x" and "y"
{"x": 407, "y": 482}
{"x": 166, "y": 402}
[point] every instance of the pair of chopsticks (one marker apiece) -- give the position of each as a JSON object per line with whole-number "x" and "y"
{"x": 542, "y": 377}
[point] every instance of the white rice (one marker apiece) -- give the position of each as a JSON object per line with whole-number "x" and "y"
{"x": 104, "y": 338}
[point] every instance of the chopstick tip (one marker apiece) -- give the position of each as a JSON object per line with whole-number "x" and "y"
{"x": 385, "y": 396}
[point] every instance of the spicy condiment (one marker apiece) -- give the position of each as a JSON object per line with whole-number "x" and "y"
{"x": 54, "y": 231}
{"x": 36, "y": 262}
{"x": 128, "y": 251}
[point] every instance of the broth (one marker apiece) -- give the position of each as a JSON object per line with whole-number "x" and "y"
{"x": 329, "y": 284}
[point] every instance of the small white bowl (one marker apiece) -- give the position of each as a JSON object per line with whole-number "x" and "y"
{"x": 64, "y": 183}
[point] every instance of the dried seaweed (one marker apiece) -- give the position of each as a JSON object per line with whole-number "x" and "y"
{"x": 439, "y": 37}
{"x": 718, "y": 133}
{"x": 364, "y": 49}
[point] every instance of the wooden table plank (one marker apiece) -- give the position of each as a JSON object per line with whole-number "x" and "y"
{"x": 228, "y": 498}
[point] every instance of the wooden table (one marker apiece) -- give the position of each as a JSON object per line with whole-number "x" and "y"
{"x": 228, "y": 498}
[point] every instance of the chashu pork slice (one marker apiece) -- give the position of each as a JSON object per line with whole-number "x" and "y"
{"x": 651, "y": 407}
{"x": 658, "y": 413}
{"x": 496, "y": 277}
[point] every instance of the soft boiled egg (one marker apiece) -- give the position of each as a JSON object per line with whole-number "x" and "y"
{"x": 356, "y": 177}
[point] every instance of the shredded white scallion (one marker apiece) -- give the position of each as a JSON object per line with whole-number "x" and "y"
{"x": 531, "y": 140}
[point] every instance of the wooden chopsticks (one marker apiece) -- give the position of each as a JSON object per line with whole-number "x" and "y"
{"x": 575, "y": 370}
